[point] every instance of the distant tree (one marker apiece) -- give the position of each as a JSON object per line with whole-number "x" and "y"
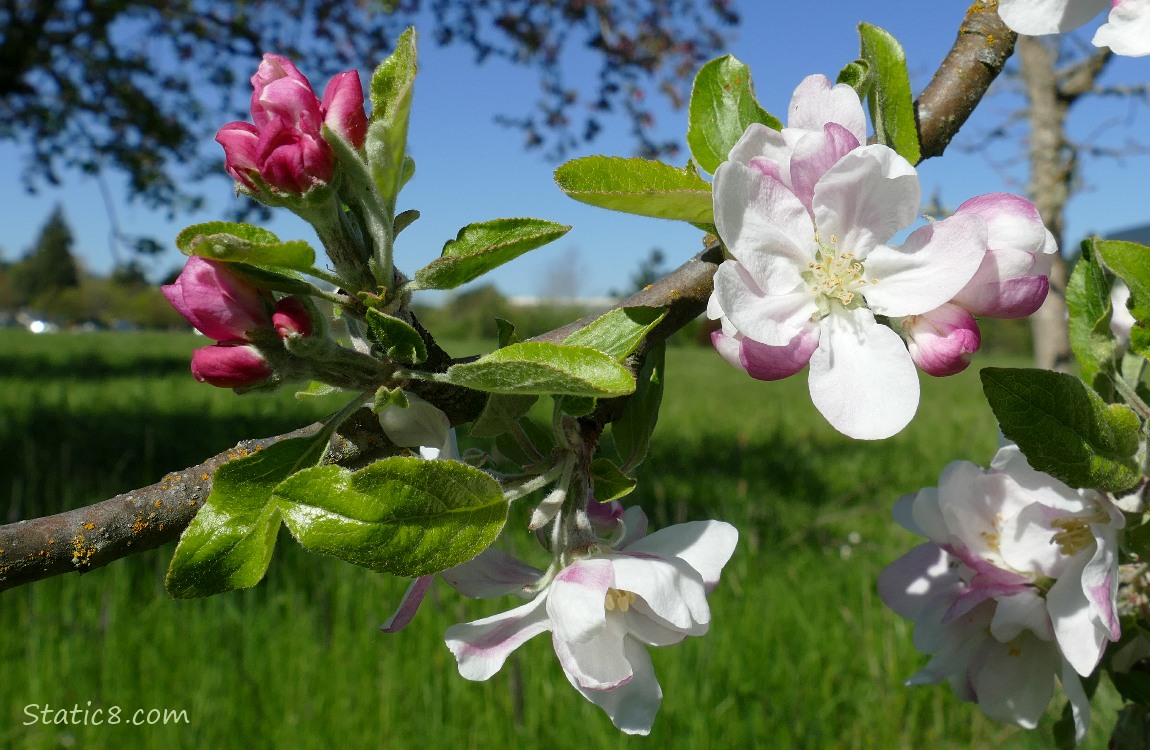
{"x": 650, "y": 270}
{"x": 49, "y": 267}
{"x": 75, "y": 95}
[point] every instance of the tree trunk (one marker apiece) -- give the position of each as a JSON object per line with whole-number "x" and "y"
{"x": 1051, "y": 171}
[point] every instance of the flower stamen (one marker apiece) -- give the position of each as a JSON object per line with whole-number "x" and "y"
{"x": 620, "y": 600}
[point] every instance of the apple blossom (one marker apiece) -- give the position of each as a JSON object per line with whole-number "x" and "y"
{"x": 285, "y": 147}
{"x": 218, "y": 303}
{"x": 602, "y": 609}
{"x": 1013, "y": 552}
{"x": 1126, "y": 31}
{"x": 814, "y": 267}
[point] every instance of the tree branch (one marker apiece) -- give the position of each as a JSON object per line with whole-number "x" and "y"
{"x": 979, "y": 54}
{"x": 89, "y": 537}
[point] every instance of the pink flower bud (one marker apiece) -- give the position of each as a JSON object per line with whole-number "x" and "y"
{"x": 1013, "y": 280}
{"x": 342, "y": 107}
{"x": 941, "y": 341}
{"x": 230, "y": 365}
{"x": 291, "y": 318}
{"x": 285, "y": 146}
{"x": 218, "y": 303}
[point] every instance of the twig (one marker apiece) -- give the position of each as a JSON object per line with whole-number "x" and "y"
{"x": 979, "y": 54}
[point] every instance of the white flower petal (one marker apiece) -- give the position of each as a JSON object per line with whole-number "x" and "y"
{"x": 769, "y": 319}
{"x": 816, "y": 102}
{"x": 408, "y": 605}
{"x": 932, "y": 266}
{"x": 1079, "y": 701}
{"x": 861, "y": 377}
{"x": 631, "y": 706}
{"x": 597, "y": 664}
{"x": 910, "y": 582}
{"x": 669, "y": 586}
{"x": 491, "y": 573}
{"x": 1127, "y": 31}
{"x": 704, "y": 545}
{"x": 864, "y": 199}
{"x": 815, "y": 154}
{"x": 1017, "y": 613}
{"x": 759, "y": 141}
{"x": 420, "y": 424}
{"x": 1035, "y": 17}
{"x": 576, "y": 599}
{"x": 649, "y": 628}
{"x": 1015, "y": 681}
{"x": 765, "y": 227}
{"x": 481, "y": 647}
{"x": 1080, "y": 635}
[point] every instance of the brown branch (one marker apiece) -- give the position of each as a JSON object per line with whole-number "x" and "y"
{"x": 979, "y": 54}
{"x": 143, "y": 519}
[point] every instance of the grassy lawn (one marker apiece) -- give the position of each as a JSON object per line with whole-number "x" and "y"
{"x": 801, "y": 654}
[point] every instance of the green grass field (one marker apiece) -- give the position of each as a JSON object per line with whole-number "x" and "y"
{"x": 801, "y": 653}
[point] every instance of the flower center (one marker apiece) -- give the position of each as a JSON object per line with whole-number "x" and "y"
{"x": 1074, "y": 534}
{"x": 618, "y": 600}
{"x": 835, "y": 275}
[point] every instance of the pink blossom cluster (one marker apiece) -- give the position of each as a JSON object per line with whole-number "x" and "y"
{"x": 224, "y": 307}
{"x": 1015, "y": 589}
{"x": 808, "y": 214}
{"x": 285, "y": 148}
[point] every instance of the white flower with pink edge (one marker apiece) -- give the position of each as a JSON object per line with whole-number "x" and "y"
{"x": 602, "y": 611}
{"x": 1018, "y": 564}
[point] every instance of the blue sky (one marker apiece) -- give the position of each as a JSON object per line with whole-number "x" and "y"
{"x": 471, "y": 169}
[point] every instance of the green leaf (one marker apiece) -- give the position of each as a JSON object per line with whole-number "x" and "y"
{"x": 392, "y": 85}
{"x": 535, "y": 367}
{"x": 478, "y": 248}
{"x": 385, "y": 397}
{"x": 856, "y": 75}
{"x": 723, "y": 106}
{"x": 403, "y": 220}
{"x": 401, "y": 515}
{"x": 275, "y": 280}
{"x": 632, "y": 430}
{"x": 1131, "y": 262}
{"x": 638, "y": 186}
{"x": 244, "y": 243}
{"x": 1064, "y": 730}
{"x": 500, "y": 413}
{"x": 618, "y": 332}
{"x": 1064, "y": 428}
{"x": 890, "y": 99}
{"x": 1088, "y": 300}
{"x": 1133, "y": 686}
{"x": 576, "y": 406}
{"x": 506, "y": 332}
{"x": 400, "y": 342}
{"x": 1132, "y": 729}
{"x": 229, "y": 543}
{"x": 610, "y": 482}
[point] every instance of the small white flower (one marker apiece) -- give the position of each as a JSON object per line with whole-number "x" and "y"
{"x": 602, "y": 611}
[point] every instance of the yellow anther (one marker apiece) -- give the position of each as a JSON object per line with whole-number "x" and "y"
{"x": 620, "y": 600}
